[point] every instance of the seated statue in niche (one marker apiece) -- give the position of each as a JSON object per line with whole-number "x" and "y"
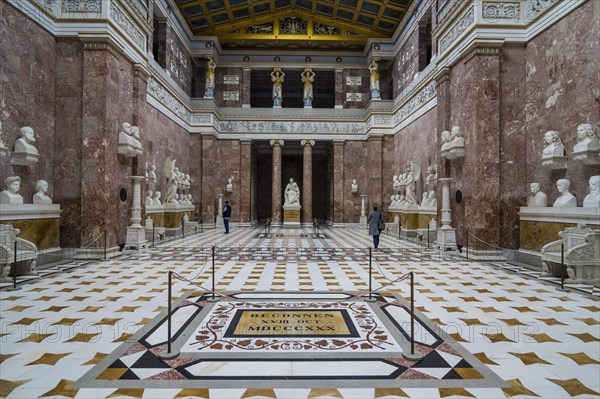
{"x": 586, "y": 139}
{"x": 149, "y": 200}
{"x": 292, "y": 193}
{"x": 566, "y": 199}
{"x": 11, "y": 193}
{"x": 536, "y": 197}
{"x": 156, "y": 199}
{"x": 41, "y": 197}
{"x": 553, "y": 146}
{"x": 592, "y": 200}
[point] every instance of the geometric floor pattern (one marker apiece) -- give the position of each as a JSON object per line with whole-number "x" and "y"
{"x": 63, "y": 327}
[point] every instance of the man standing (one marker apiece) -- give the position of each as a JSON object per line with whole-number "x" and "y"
{"x": 226, "y": 216}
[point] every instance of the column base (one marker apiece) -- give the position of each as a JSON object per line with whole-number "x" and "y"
{"x": 362, "y": 221}
{"x": 220, "y": 220}
{"x": 446, "y": 239}
{"x": 136, "y": 238}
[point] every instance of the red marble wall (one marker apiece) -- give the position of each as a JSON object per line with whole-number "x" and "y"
{"x": 364, "y": 88}
{"x": 562, "y": 91}
{"x": 178, "y": 61}
{"x": 405, "y": 65}
{"x": 27, "y": 84}
{"x": 220, "y": 87}
{"x": 229, "y": 166}
{"x": 355, "y": 153}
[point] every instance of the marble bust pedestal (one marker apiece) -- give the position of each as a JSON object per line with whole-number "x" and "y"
{"x": 291, "y": 216}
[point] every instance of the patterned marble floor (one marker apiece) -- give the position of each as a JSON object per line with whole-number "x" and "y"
{"x": 541, "y": 341}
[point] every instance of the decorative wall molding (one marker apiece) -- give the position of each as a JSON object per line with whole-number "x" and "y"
{"x": 418, "y": 100}
{"x": 457, "y": 29}
{"x": 494, "y": 12}
{"x": 534, "y": 8}
{"x": 124, "y": 22}
{"x": 80, "y": 6}
{"x": 156, "y": 90}
{"x": 49, "y": 5}
{"x": 291, "y": 127}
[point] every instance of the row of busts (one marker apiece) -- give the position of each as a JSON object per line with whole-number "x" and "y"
{"x": 586, "y": 151}
{"x": 129, "y": 143}
{"x": 151, "y": 174}
{"x": 11, "y": 195}
{"x": 24, "y": 153}
{"x": 399, "y": 201}
{"x": 153, "y": 199}
{"x": 565, "y": 199}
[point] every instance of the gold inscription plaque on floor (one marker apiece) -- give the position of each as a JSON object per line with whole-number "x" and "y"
{"x": 291, "y": 323}
{"x": 291, "y": 216}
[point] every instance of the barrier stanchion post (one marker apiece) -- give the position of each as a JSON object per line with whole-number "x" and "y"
{"x": 370, "y": 298}
{"x": 105, "y": 245}
{"x": 413, "y": 355}
{"x": 212, "y": 298}
{"x": 562, "y": 267}
{"x": 14, "y": 270}
{"x": 427, "y": 236}
{"x": 153, "y": 235}
{"x": 169, "y": 353}
{"x": 467, "y": 242}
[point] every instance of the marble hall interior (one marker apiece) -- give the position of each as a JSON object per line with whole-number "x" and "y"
{"x": 188, "y": 193}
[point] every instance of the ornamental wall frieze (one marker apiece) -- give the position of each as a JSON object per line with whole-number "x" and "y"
{"x": 459, "y": 27}
{"x": 79, "y": 6}
{"x": 291, "y": 127}
{"x": 417, "y": 101}
{"x": 534, "y": 8}
{"x": 126, "y": 24}
{"x": 501, "y": 12}
{"x": 156, "y": 90}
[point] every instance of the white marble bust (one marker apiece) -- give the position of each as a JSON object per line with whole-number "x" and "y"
{"x": 11, "y": 194}
{"x": 446, "y": 139}
{"x": 553, "y": 145}
{"x": 149, "y": 200}
{"x": 431, "y": 200}
{"x": 190, "y": 199}
{"x": 536, "y": 198}
{"x": 152, "y": 174}
{"x": 149, "y": 223}
{"x": 566, "y": 199}
{"x": 456, "y": 137}
{"x": 354, "y": 186}
{"x": 424, "y": 201}
{"x": 587, "y": 139}
{"x": 395, "y": 182}
{"x": 24, "y": 143}
{"x": 229, "y": 187}
{"x": 156, "y": 199}
{"x": 592, "y": 200}
{"x": 40, "y": 197}
{"x": 431, "y": 176}
{"x": 392, "y": 201}
{"x": 175, "y": 199}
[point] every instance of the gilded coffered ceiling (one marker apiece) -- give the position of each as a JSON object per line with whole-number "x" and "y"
{"x": 294, "y": 24}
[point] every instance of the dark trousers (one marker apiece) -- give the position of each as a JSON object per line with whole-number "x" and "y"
{"x": 226, "y": 223}
{"x": 376, "y": 241}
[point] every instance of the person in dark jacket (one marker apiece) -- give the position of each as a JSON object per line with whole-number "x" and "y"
{"x": 373, "y": 222}
{"x": 226, "y": 216}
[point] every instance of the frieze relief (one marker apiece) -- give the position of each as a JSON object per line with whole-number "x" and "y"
{"x": 291, "y": 127}
{"x": 50, "y": 6}
{"x": 534, "y": 8}
{"x": 457, "y": 29}
{"x": 416, "y": 102}
{"x": 82, "y": 6}
{"x": 167, "y": 99}
{"x": 494, "y": 12}
{"x": 121, "y": 19}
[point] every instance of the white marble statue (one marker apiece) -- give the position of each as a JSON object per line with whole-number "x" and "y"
{"x": 431, "y": 200}
{"x": 25, "y": 152}
{"x": 187, "y": 182}
{"x": 552, "y": 145}
{"x": 292, "y": 193}
{"x": 172, "y": 174}
{"x": 566, "y": 199}
{"x": 156, "y": 198}
{"x": 431, "y": 178}
{"x": 175, "y": 199}
{"x": 41, "y": 197}
{"x": 592, "y": 200}
{"x": 401, "y": 201}
{"x": 424, "y": 201}
{"x": 229, "y": 186}
{"x": 149, "y": 200}
{"x": 455, "y": 148}
{"x": 354, "y": 186}
{"x": 395, "y": 183}
{"x": 412, "y": 174}
{"x": 392, "y": 201}
{"x": 129, "y": 140}
{"x": 152, "y": 173}
{"x": 11, "y": 193}
{"x": 445, "y": 137}
{"x": 536, "y": 198}
{"x": 190, "y": 199}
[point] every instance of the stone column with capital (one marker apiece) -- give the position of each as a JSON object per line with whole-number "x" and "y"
{"x": 307, "y": 181}
{"x": 220, "y": 211}
{"x": 276, "y": 183}
{"x": 339, "y": 88}
{"x": 136, "y": 235}
{"x": 446, "y": 235}
{"x": 363, "y": 211}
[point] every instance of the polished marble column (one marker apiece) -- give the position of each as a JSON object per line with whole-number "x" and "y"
{"x": 307, "y": 181}
{"x": 339, "y": 88}
{"x": 245, "y": 181}
{"x": 276, "y": 183}
{"x": 246, "y": 84}
{"x": 338, "y": 183}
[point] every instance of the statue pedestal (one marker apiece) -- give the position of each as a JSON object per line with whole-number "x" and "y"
{"x": 136, "y": 238}
{"x": 291, "y": 216}
{"x": 362, "y": 221}
{"x": 446, "y": 238}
